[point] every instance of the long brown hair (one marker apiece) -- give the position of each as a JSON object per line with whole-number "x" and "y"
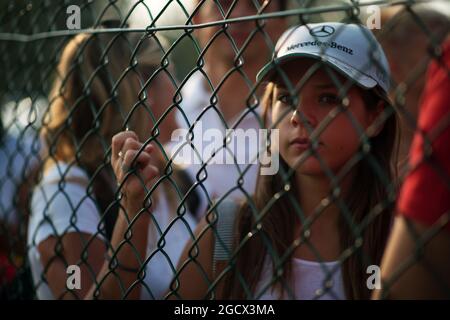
{"x": 369, "y": 194}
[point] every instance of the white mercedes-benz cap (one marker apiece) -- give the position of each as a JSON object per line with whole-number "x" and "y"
{"x": 350, "y": 49}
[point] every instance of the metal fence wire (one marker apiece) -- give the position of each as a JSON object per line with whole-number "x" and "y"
{"x": 65, "y": 92}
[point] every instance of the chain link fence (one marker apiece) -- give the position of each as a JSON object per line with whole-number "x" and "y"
{"x": 76, "y": 73}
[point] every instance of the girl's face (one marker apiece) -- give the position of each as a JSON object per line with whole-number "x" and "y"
{"x": 338, "y": 141}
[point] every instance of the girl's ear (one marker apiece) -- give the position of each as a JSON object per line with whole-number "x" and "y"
{"x": 376, "y": 123}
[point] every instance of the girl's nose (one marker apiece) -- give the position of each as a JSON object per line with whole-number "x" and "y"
{"x": 303, "y": 119}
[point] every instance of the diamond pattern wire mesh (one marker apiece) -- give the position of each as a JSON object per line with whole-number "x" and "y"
{"x": 58, "y": 120}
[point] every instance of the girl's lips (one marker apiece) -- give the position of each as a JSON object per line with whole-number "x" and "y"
{"x": 302, "y": 143}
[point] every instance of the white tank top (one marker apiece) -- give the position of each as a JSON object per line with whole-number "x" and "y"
{"x": 311, "y": 280}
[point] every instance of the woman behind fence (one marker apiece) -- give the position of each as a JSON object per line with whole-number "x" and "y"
{"x": 74, "y": 216}
{"x": 314, "y": 233}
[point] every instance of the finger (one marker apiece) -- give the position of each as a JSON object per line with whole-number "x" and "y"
{"x": 135, "y": 157}
{"x": 116, "y": 162}
{"x": 118, "y": 141}
{"x": 131, "y": 144}
{"x": 149, "y": 173}
{"x": 150, "y": 148}
{"x": 144, "y": 173}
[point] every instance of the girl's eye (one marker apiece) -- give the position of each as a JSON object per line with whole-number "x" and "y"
{"x": 285, "y": 98}
{"x": 329, "y": 99}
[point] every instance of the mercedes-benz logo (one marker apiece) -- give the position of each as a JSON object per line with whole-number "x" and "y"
{"x": 322, "y": 31}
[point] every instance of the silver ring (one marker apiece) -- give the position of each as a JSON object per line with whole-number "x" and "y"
{"x": 120, "y": 154}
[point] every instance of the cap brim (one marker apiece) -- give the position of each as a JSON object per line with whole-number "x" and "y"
{"x": 270, "y": 69}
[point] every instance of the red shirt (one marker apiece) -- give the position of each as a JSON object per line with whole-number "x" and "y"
{"x": 7, "y": 270}
{"x": 425, "y": 194}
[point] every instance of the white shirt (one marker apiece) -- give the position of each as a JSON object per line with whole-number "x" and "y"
{"x": 54, "y": 208}
{"x": 161, "y": 269}
{"x": 220, "y": 177}
{"x": 309, "y": 281}
{"x": 56, "y": 211}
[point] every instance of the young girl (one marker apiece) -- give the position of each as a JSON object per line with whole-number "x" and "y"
{"x": 310, "y": 231}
